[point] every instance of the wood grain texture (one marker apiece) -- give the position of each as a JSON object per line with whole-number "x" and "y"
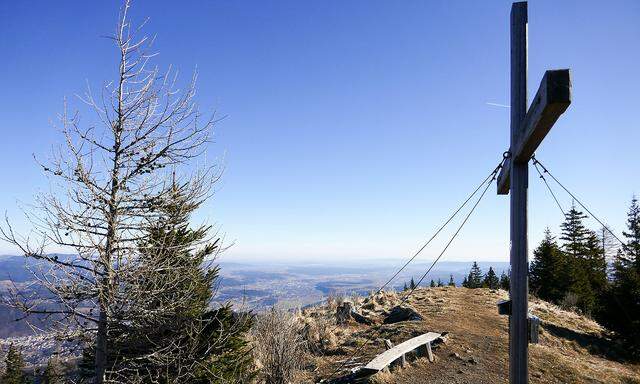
{"x": 387, "y": 357}
{"x": 503, "y": 178}
{"x": 518, "y": 324}
{"x": 552, "y": 100}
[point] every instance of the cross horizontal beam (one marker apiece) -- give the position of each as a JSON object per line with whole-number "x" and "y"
{"x": 551, "y": 100}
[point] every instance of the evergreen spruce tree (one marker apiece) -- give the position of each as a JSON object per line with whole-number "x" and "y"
{"x": 622, "y": 300}
{"x": 585, "y": 264}
{"x": 548, "y": 271}
{"x": 474, "y": 280}
{"x": 432, "y": 284}
{"x": 14, "y": 367}
{"x": 632, "y": 235}
{"x": 229, "y": 362}
{"x": 405, "y": 288}
{"x": 465, "y": 282}
{"x": 440, "y": 283}
{"x": 505, "y": 281}
{"x": 412, "y": 284}
{"x": 178, "y": 329}
{"x": 452, "y": 283}
{"x": 574, "y": 233}
{"x": 596, "y": 263}
{"x": 491, "y": 279}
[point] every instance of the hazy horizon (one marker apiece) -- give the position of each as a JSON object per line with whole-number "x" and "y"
{"x": 363, "y": 157}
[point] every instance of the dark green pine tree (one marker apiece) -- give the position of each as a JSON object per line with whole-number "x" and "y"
{"x": 405, "y": 288}
{"x": 14, "y": 367}
{"x": 474, "y": 280}
{"x": 596, "y": 263}
{"x": 432, "y": 284}
{"x": 229, "y": 361}
{"x": 579, "y": 245}
{"x": 505, "y": 281}
{"x": 54, "y": 373}
{"x": 548, "y": 273}
{"x": 632, "y": 235}
{"x": 574, "y": 233}
{"x": 412, "y": 284}
{"x": 222, "y": 349}
{"x": 440, "y": 283}
{"x": 622, "y": 304}
{"x": 452, "y": 283}
{"x": 491, "y": 279}
{"x": 178, "y": 329}
{"x": 465, "y": 282}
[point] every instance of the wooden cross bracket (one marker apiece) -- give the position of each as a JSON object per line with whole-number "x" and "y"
{"x": 551, "y": 100}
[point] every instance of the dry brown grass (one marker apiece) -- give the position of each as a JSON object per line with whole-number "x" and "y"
{"x": 573, "y": 348}
{"x": 384, "y": 377}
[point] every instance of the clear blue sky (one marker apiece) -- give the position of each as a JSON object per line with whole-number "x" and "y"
{"x": 353, "y": 127}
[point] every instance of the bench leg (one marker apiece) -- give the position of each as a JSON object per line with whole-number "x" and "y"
{"x": 388, "y": 345}
{"x": 425, "y": 350}
{"x": 429, "y": 353}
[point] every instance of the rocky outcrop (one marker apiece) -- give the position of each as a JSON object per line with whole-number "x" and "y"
{"x": 345, "y": 311}
{"x": 402, "y": 313}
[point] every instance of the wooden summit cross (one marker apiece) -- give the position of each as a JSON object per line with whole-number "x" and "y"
{"x": 528, "y": 129}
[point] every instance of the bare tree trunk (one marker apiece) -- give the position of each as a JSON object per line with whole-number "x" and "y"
{"x": 102, "y": 356}
{"x": 101, "y": 348}
{"x": 109, "y": 178}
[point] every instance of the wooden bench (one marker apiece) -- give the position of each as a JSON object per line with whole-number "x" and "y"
{"x": 422, "y": 343}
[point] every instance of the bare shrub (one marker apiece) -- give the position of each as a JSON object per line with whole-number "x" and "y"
{"x": 279, "y": 346}
{"x": 382, "y": 377}
{"x": 356, "y": 298}
{"x": 334, "y": 300}
{"x": 317, "y": 332}
{"x": 570, "y": 301}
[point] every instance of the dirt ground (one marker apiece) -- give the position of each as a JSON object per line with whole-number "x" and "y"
{"x": 572, "y": 348}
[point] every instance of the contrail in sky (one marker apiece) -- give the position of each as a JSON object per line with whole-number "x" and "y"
{"x": 498, "y": 105}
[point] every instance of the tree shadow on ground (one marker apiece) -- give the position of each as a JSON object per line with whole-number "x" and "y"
{"x": 595, "y": 345}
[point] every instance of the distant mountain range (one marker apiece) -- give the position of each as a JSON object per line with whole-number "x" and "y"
{"x": 18, "y": 268}
{"x": 259, "y": 285}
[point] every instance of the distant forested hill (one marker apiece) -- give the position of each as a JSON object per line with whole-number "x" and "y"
{"x": 15, "y": 271}
{"x": 14, "y": 268}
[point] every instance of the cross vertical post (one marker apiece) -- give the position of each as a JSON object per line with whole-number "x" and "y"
{"x": 519, "y": 174}
{"x": 528, "y": 130}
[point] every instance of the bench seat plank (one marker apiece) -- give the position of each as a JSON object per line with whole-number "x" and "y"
{"x": 390, "y": 355}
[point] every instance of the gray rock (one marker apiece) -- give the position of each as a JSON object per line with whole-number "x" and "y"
{"x": 402, "y": 313}
{"x": 360, "y": 318}
{"x": 345, "y": 312}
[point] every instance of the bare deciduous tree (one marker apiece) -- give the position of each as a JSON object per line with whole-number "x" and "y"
{"x": 108, "y": 181}
{"x": 609, "y": 244}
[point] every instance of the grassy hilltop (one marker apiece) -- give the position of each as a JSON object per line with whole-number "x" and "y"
{"x": 572, "y": 348}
